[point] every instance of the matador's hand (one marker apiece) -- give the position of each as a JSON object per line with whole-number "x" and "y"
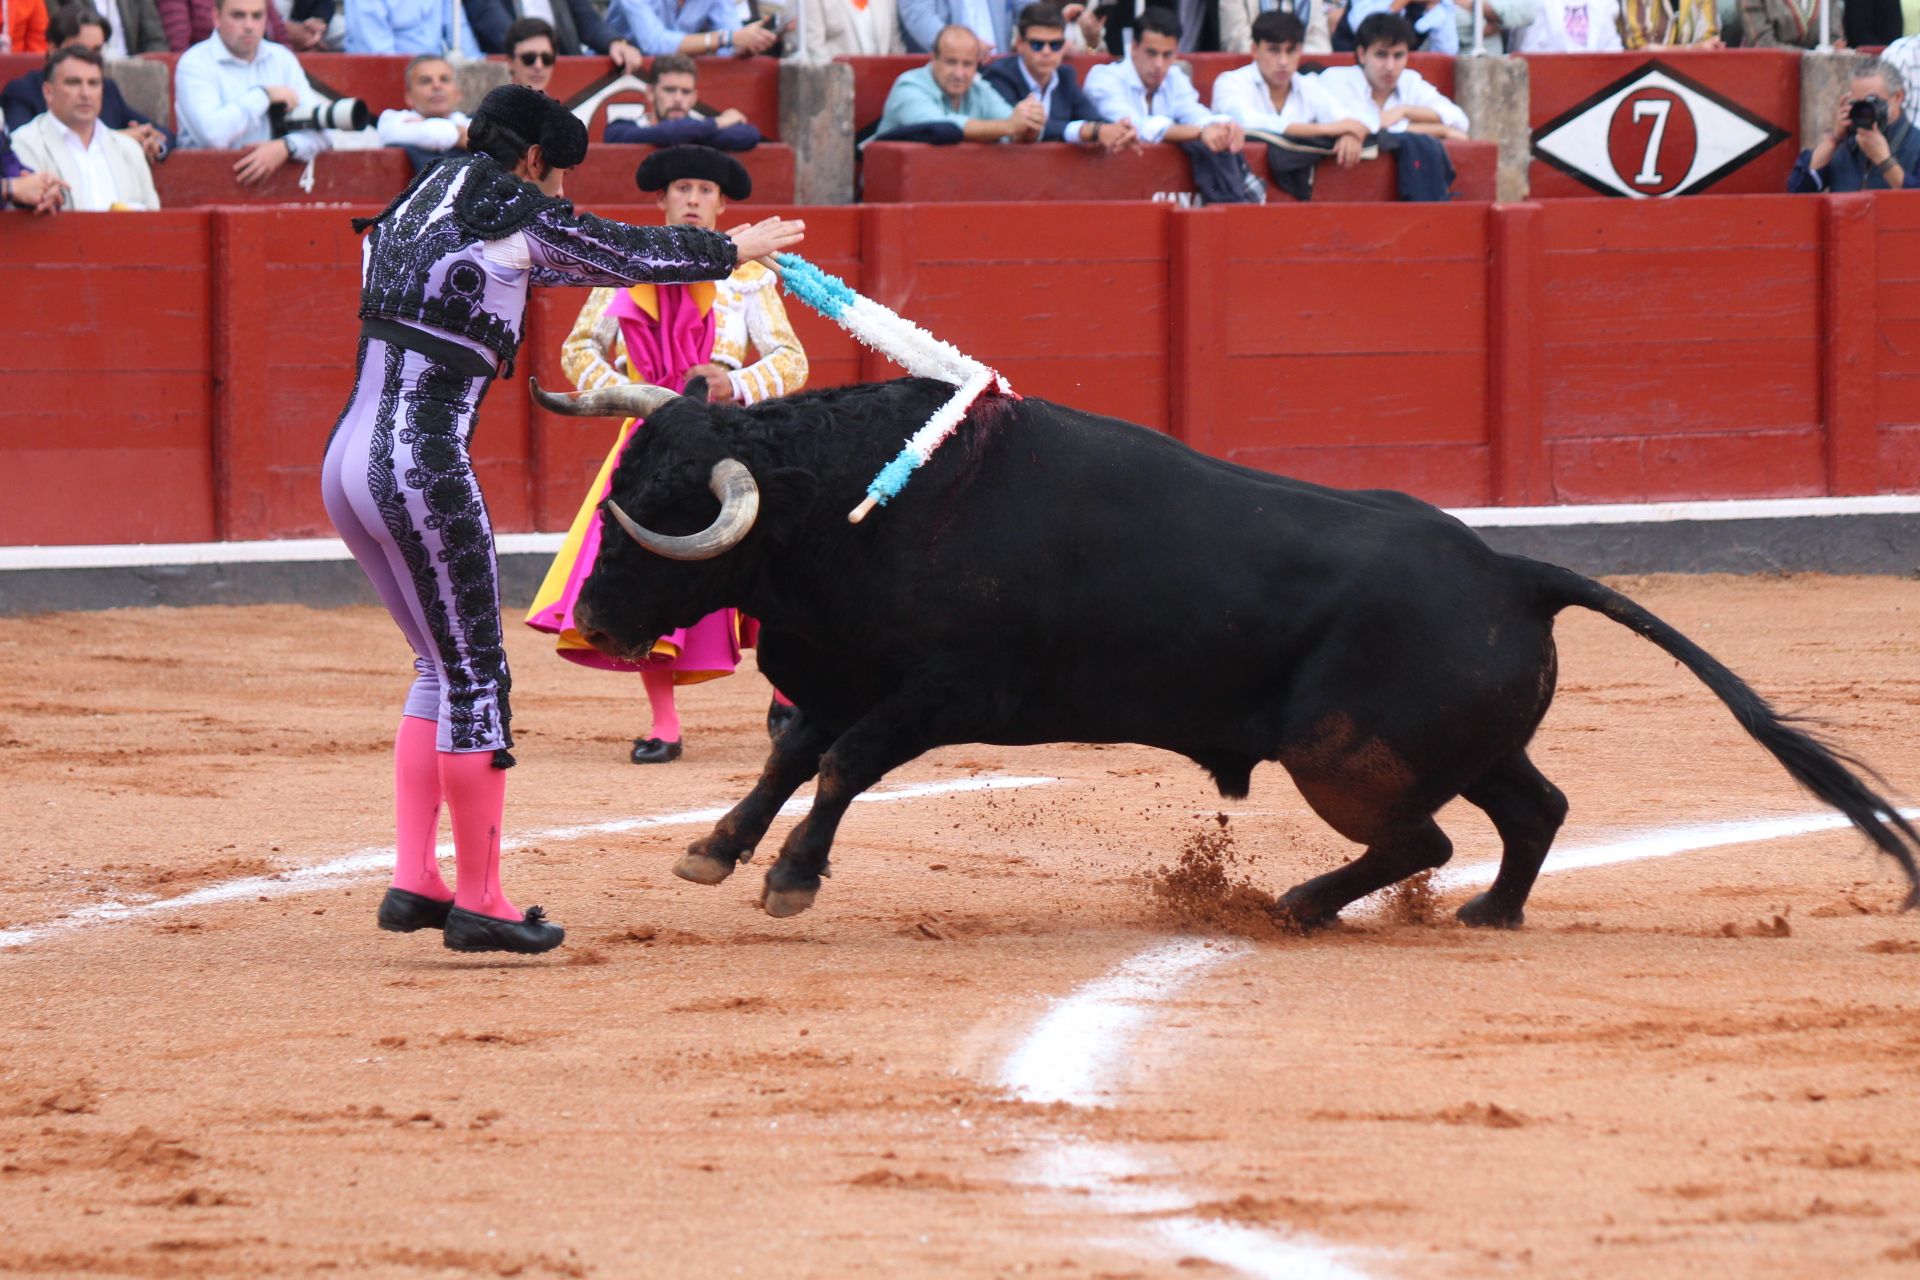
{"x": 768, "y": 236}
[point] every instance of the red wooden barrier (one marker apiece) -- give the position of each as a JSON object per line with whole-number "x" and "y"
{"x": 911, "y": 172}
{"x": 1349, "y": 347}
{"x": 107, "y": 386}
{"x": 191, "y": 177}
{"x": 1682, "y": 348}
{"x": 180, "y": 371}
{"x": 1069, "y": 301}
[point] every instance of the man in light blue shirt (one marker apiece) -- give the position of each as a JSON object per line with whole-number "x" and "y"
{"x": 921, "y": 22}
{"x": 948, "y": 91}
{"x": 692, "y": 27}
{"x": 411, "y": 27}
{"x": 224, "y": 87}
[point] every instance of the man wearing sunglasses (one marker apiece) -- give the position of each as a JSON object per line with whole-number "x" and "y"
{"x": 530, "y": 53}
{"x": 1037, "y": 70}
{"x": 573, "y": 27}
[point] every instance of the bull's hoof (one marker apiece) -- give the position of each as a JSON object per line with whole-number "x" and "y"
{"x": 1302, "y": 912}
{"x": 781, "y": 903}
{"x": 702, "y": 868}
{"x": 1480, "y": 912}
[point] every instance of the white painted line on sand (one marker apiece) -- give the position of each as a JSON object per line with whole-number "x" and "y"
{"x": 361, "y": 862}
{"x": 149, "y": 555}
{"x": 1079, "y": 1051}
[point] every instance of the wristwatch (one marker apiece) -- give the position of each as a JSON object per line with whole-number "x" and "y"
{"x": 1884, "y": 166}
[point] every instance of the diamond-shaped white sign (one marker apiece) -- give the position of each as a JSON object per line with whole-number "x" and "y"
{"x": 1654, "y": 133}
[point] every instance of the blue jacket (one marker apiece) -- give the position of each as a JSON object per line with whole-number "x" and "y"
{"x": 690, "y": 129}
{"x": 1067, "y": 104}
{"x": 1849, "y": 170}
{"x": 577, "y": 25}
{"x": 26, "y": 98}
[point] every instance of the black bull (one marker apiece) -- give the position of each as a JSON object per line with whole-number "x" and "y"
{"x": 1053, "y": 576}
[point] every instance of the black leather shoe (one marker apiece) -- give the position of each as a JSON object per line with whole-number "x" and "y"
{"x": 654, "y": 751}
{"x": 529, "y": 935}
{"x": 403, "y": 912}
{"x": 779, "y": 715}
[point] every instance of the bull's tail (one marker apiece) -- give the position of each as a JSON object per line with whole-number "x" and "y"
{"x": 1814, "y": 765}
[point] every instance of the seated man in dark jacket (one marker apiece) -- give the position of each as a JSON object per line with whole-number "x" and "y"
{"x": 26, "y": 97}
{"x": 1864, "y": 154}
{"x": 578, "y": 28}
{"x": 1037, "y": 69}
{"x": 678, "y": 120}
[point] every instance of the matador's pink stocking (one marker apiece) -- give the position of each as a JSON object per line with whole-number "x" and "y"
{"x": 666, "y": 716}
{"x": 477, "y": 796}
{"x": 416, "y": 810}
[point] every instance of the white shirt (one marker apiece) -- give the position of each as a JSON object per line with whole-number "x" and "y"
{"x": 1242, "y": 94}
{"x": 222, "y": 102}
{"x": 1348, "y": 87}
{"x": 116, "y": 45}
{"x": 1074, "y": 132}
{"x": 409, "y": 128}
{"x": 1570, "y": 26}
{"x": 1117, "y": 90}
{"x": 94, "y": 190}
{"x": 541, "y": 9}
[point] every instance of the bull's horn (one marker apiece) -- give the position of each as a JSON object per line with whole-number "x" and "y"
{"x": 739, "y": 496}
{"x": 632, "y": 400}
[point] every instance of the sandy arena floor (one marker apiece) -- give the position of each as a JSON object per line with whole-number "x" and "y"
{"x": 1697, "y": 1066}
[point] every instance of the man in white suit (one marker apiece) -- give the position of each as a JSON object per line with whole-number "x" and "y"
{"x": 103, "y": 169}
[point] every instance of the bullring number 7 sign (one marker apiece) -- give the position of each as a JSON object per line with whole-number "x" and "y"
{"x": 1653, "y": 133}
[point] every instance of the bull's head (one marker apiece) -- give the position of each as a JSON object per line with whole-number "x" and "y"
{"x": 678, "y": 559}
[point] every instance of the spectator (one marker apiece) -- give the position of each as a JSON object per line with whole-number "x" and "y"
{"x": 410, "y": 26}
{"x": 1864, "y": 22}
{"x": 23, "y": 26}
{"x": 1317, "y": 17}
{"x": 924, "y": 20}
{"x": 1148, "y": 90}
{"x": 574, "y": 26}
{"x": 1436, "y": 27}
{"x": 22, "y": 188}
{"x": 138, "y": 31}
{"x": 1270, "y": 94}
{"x": 1502, "y": 16}
{"x": 25, "y": 98}
{"x": 1670, "y": 24}
{"x": 693, "y": 27}
{"x": 1036, "y": 71}
{"x": 530, "y": 53}
{"x": 189, "y": 22}
{"x": 430, "y": 126}
{"x": 313, "y": 26}
{"x": 1795, "y": 24}
{"x": 225, "y": 88}
{"x": 677, "y": 118}
{"x": 102, "y": 169}
{"x": 1572, "y": 26}
{"x": 1864, "y": 158}
{"x": 944, "y": 101}
{"x": 1381, "y": 93}
{"x": 851, "y": 28}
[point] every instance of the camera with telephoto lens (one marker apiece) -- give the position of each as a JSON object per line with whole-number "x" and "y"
{"x": 332, "y": 113}
{"x": 1869, "y": 112}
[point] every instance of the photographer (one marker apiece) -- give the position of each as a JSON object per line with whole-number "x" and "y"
{"x": 1873, "y": 146}
{"x": 226, "y": 89}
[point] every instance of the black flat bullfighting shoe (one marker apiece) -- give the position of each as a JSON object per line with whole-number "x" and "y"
{"x": 654, "y": 751}
{"x": 778, "y": 716}
{"x": 403, "y": 912}
{"x": 529, "y": 935}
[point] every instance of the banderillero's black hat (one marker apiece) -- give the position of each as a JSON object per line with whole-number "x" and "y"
{"x": 665, "y": 167}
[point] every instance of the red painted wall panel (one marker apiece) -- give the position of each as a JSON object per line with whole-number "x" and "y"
{"x": 106, "y": 388}
{"x": 1669, "y": 319}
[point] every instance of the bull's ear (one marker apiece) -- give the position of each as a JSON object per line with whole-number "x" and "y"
{"x": 696, "y": 389}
